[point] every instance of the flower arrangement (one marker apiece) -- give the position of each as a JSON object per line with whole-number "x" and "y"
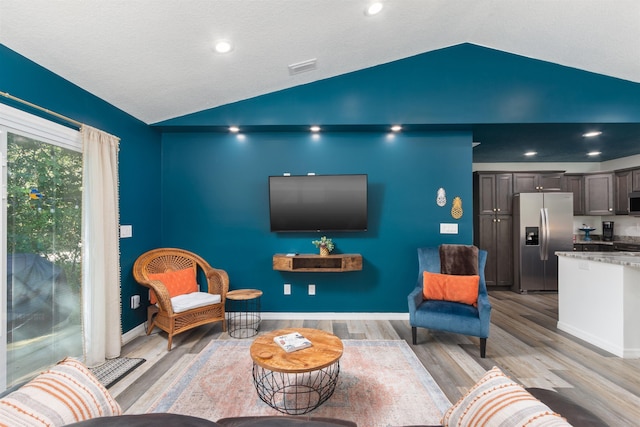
{"x": 325, "y": 243}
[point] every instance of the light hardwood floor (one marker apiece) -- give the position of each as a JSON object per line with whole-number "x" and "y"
{"x": 524, "y": 343}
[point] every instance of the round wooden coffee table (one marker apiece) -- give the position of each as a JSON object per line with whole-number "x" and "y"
{"x": 298, "y": 382}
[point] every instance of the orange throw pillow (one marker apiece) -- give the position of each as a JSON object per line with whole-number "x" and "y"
{"x": 447, "y": 287}
{"x": 178, "y": 282}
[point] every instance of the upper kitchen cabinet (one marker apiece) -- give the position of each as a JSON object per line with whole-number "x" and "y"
{"x": 635, "y": 180}
{"x": 529, "y": 182}
{"x": 492, "y": 192}
{"x": 574, "y": 183}
{"x": 598, "y": 194}
{"x": 623, "y": 183}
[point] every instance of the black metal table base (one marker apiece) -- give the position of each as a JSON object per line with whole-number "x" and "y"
{"x": 295, "y": 393}
{"x": 243, "y": 319}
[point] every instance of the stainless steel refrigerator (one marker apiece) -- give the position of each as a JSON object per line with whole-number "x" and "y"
{"x": 542, "y": 225}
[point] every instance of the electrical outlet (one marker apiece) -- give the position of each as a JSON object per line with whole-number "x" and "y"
{"x": 287, "y": 289}
{"x": 312, "y": 289}
{"x": 135, "y": 301}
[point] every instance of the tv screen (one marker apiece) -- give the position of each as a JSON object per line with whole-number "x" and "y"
{"x": 318, "y": 203}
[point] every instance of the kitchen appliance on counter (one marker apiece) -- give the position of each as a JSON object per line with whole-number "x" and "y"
{"x": 607, "y": 231}
{"x": 542, "y": 225}
{"x": 634, "y": 203}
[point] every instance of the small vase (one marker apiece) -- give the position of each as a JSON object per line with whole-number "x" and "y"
{"x": 324, "y": 251}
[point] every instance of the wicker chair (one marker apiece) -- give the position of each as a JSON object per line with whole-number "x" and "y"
{"x": 171, "y": 259}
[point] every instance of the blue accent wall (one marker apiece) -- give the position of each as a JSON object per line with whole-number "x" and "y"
{"x": 185, "y": 183}
{"x": 215, "y": 202}
{"x": 215, "y": 184}
{"x": 139, "y": 157}
{"x": 460, "y": 85}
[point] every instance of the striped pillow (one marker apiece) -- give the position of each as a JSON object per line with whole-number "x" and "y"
{"x": 65, "y": 394}
{"x": 496, "y": 400}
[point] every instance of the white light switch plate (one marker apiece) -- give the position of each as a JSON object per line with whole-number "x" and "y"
{"x": 448, "y": 228}
{"x": 126, "y": 231}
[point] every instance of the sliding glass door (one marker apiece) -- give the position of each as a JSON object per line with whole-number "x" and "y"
{"x": 41, "y": 227}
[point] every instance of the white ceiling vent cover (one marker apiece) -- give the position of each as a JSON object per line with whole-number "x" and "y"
{"x": 303, "y": 67}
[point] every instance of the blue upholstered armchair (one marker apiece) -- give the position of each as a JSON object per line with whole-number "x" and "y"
{"x": 449, "y": 316}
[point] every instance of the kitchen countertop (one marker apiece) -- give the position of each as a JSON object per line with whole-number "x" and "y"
{"x": 628, "y": 259}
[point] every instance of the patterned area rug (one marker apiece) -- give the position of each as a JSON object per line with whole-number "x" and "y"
{"x": 381, "y": 383}
{"x": 113, "y": 370}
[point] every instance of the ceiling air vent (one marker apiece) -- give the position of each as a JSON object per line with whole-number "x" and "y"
{"x": 304, "y": 66}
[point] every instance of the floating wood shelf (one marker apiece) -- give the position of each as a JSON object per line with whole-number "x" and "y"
{"x": 309, "y": 262}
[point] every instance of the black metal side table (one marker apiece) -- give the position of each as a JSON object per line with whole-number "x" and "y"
{"x": 243, "y": 312}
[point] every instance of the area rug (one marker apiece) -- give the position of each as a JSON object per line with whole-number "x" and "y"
{"x": 113, "y": 370}
{"x": 381, "y": 383}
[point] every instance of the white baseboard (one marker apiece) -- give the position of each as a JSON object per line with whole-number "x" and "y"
{"x": 334, "y": 316}
{"x": 140, "y": 330}
{"x": 133, "y": 333}
{"x": 601, "y": 342}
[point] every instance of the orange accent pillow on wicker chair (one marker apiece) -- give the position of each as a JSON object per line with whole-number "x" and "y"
{"x": 447, "y": 287}
{"x": 178, "y": 282}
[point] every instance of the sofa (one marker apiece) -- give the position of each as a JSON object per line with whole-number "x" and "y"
{"x": 147, "y": 420}
{"x": 68, "y": 394}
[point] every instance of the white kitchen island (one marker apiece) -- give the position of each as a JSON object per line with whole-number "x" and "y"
{"x": 599, "y": 299}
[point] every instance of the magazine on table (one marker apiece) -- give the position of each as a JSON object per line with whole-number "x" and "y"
{"x": 292, "y": 342}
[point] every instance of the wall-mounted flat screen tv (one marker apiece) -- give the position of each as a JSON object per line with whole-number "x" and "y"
{"x": 318, "y": 203}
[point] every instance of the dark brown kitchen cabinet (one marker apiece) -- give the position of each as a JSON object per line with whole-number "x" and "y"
{"x": 528, "y": 182}
{"x": 494, "y": 233}
{"x": 492, "y": 224}
{"x": 592, "y": 247}
{"x": 623, "y": 183}
{"x": 635, "y": 178}
{"x": 551, "y": 181}
{"x": 525, "y": 182}
{"x": 574, "y": 183}
{"x": 598, "y": 194}
{"x": 492, "y": 192}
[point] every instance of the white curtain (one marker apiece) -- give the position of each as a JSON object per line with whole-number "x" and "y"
{"x": 101, "y": 252}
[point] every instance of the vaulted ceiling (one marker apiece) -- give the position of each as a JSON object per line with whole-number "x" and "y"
{"x": 155, "y": 59}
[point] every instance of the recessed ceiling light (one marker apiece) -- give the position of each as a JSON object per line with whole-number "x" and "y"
{"x": 315, "y": 128}
{"x": 234, "y": 129}
{"x": 373, "y": 8}
{"x": 530, "y": 153}
{"x": 223, "y": 46}
{"x": 591, "y": 134}
{"x": 396, "y": 128}
{"x": 594, "y": 153}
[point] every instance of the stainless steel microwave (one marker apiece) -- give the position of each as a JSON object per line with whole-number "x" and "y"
{"x": 634, "y": 203}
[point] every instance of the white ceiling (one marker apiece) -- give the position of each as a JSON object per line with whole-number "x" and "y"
{"x": 154, "y": 58}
